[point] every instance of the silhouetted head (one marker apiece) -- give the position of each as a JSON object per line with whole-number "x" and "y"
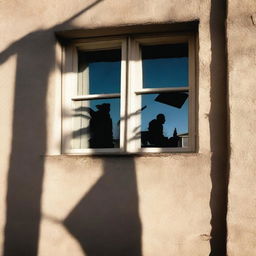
{"x": 105, "y": 107}
{"x": 160, "y": 118}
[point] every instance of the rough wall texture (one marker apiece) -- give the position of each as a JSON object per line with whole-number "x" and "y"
{"x": 76, "y": 205}
{"x": 241, "y": 32}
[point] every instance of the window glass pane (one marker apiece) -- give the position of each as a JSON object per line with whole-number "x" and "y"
{"x": 96, "y": 124}
{"x": 99, "y": 72}
{"x": 165, "y": 65}
{"x": 164, "y": 120}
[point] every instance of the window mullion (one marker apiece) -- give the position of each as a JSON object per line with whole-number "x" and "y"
{"x": 123, "y": 96}
{"x": 134, "y": 101}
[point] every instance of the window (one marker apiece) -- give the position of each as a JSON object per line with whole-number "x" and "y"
{"x": 129, "y": 94}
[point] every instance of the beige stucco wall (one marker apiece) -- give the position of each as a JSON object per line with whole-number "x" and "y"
{"x": 241, "y": 31}
{"x": 142, "y": 205}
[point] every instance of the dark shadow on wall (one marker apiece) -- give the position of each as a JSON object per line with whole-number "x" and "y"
{"x": 26, "y": 168}
{"x": 219, "y": 123}
{"x": 35, "y": 59}
{"x": 106, "y": 221}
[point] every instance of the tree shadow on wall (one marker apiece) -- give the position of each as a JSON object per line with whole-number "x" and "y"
{"x": 35, "y": 54}
{"x": 106, "y": 221}
{"x": 219, "y": 123}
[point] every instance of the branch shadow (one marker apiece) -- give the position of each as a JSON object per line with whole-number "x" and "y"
{"x": 106, "y": 220}
{"x": 35, "y": 59}
{"x": 219, "y": 128}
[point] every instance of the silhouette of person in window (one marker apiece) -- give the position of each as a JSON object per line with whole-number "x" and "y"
{"x": 155, "y": 130}
{"x": 100, "y": 126}
{"x": 155, "y": 133}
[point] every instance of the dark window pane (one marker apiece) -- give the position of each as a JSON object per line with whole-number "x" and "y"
{"x": 99, "y": 72}
{"x": 164, "y": 124}
{"x": 96, "y": 124}
{"x": 165, "y": 65}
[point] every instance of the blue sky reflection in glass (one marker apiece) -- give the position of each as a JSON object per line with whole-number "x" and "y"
{"x": 104, "y": 71}
{"x": 165, "y": 66}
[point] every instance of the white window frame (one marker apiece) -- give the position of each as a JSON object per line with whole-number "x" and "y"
{"x": 130, "y": 91}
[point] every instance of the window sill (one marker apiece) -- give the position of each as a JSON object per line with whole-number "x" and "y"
{"x": 123, "y": 154}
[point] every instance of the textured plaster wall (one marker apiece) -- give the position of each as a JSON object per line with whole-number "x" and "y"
{"x": 241, "y": 31}
{"x": 75, "y": 205}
